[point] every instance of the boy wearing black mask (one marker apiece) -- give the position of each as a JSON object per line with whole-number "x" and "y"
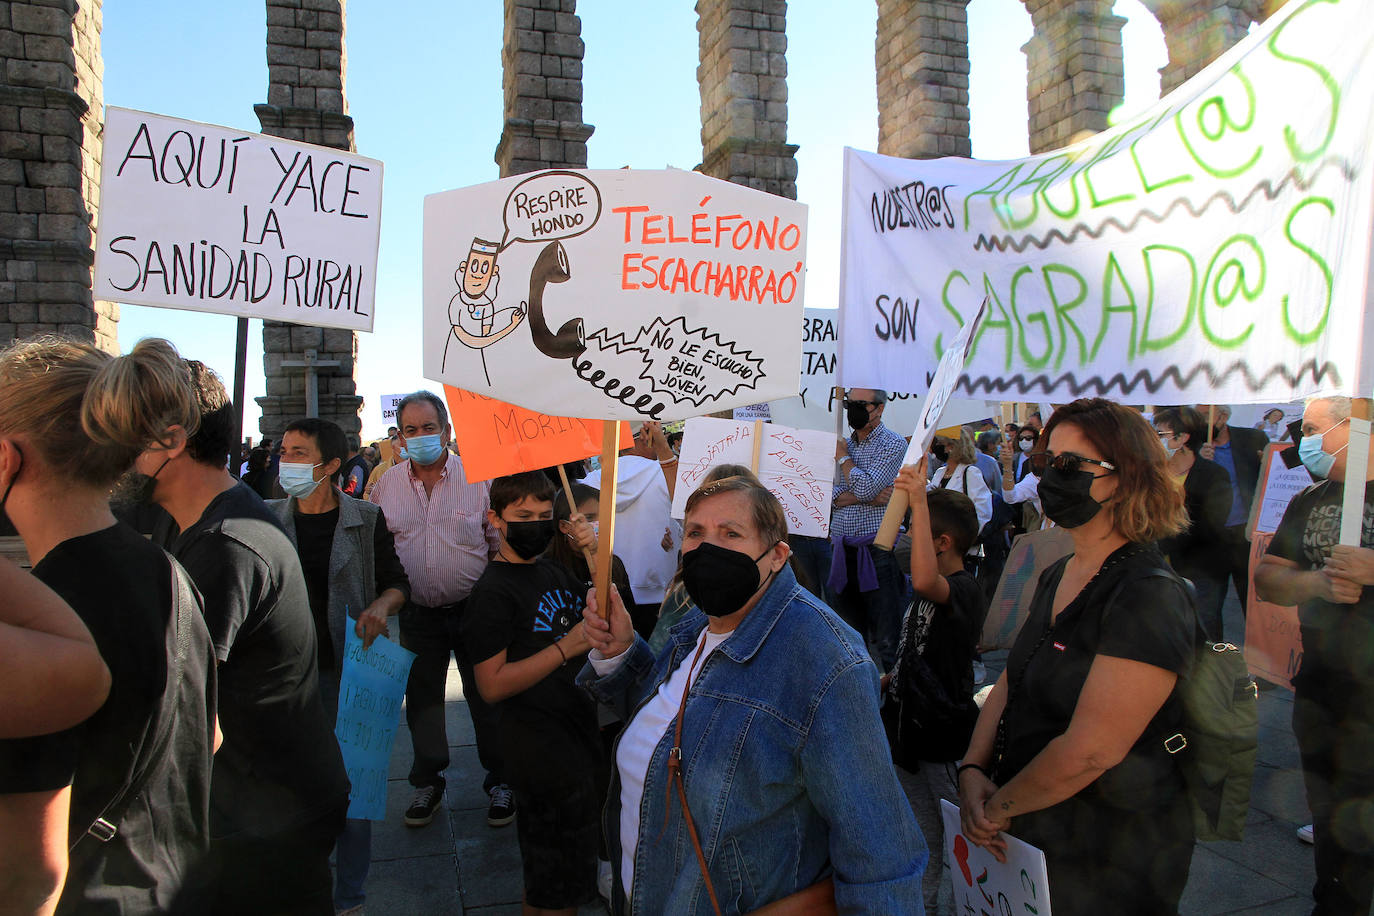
{"x": 524, "y": 631}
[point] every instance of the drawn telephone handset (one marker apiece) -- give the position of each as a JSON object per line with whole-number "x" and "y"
{"x": 552, "y": 267}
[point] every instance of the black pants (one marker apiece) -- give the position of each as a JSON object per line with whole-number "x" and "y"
{"x": 1335, "y": 731}
{"x": 285, "y": 874}
{"x": 1237, "y": 564}
{"x": 432, "y": 633}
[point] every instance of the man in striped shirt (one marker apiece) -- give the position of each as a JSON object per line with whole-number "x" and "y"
{"x": 444, "y": 541}
{"x": 866, "y": 585}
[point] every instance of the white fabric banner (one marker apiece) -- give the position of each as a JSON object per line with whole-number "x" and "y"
{"x": 797, "y": 465}
{"x": 209, "y": 219}
{"x": 616, "y": 294}
{"x": 1215, "y": 248}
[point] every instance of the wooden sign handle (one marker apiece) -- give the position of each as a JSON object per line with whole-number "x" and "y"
{"x": 1211, "y": 421}
{"x": 605, "y": 541}
{"x": 758, "y": 446}
{"x": 892, "y": 520}
{"x": 572, "y": 510}
{"x": 1356, "y": 473}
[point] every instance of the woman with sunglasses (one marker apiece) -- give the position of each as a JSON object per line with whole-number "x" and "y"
{"x": 1069, "y": 752}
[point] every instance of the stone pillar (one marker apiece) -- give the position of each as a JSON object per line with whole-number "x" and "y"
{"x": 742, "y": 75}
{"x": 305, "y": 101}
{"x": 51, "y": 123}
{"x": 541, "y": 80}
{"x": 1197, "y": 32}
{"x": 1076, "y": 69}
{"x": 923, "y": 67}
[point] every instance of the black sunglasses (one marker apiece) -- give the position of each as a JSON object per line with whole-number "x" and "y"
{"x": 1065, "y": 463}
{"x": 852, "y": 403}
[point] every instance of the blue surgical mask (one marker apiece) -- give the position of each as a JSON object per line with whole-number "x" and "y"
{"x": 1317, "y": 460}
{"x": 402, "y": 454}
{"x": 424, "y": 450}
{"x": 298, "y": 480}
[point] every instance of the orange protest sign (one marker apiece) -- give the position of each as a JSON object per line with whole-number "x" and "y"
{"x": 496, "y": 438}
{"x": 1273, "y": 641}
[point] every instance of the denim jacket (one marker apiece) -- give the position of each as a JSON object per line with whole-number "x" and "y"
{"x": 787, "y": 769}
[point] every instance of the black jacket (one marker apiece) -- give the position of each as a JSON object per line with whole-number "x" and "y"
{"x": 1207, "y": 496}
{"x": 1247, "y": 448}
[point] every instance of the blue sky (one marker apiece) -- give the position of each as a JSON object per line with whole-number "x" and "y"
{"x": 427, "y": 102}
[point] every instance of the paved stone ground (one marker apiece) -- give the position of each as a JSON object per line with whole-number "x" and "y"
{"x": 460, "y": 865}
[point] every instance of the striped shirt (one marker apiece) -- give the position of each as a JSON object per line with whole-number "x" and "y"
{"x": 442, "y": 538}
{"x": 877, "y": 460}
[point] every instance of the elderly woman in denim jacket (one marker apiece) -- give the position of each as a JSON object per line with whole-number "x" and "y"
{"x": 753, "y": 769}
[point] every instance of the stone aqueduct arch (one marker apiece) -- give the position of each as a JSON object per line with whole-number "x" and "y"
{"x": 51, "y": 100}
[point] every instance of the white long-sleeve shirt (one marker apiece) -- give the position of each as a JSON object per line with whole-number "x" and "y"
{"x": 970, "y": 482}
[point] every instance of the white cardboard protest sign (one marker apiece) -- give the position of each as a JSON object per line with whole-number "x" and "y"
{"x": 614, "y": 294}
{"x": 390, "y": 403}
{"x": 942, "y": 386}
{"x": 815, "y": 406}
{"x": 1214, "y": 248}
{"x": 797, "y": 465}
{"x": 200, "y": 217}
{"x": 1277, "y": 487}
{"x": 984, "y": 885}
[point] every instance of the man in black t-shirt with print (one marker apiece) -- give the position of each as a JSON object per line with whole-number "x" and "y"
{"x": 279, "y": 791}
{"x": 1333, "y": 709}
{"x": 523, "y": 629}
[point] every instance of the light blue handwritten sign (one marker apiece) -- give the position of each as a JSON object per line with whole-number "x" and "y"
{"x": 370, "y": 693}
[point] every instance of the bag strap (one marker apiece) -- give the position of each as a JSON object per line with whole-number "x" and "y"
{"x": 106, "y": 824}
{"x": 675, "y": 780}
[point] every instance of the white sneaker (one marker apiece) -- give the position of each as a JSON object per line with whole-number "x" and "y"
{"x": 603, "y": 879}
{"x": 1305, "y": 834}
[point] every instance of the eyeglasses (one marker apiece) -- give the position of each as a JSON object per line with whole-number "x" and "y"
{"x": 851, "y": 403}
{"x": 1027, "y": 439}
{"x": 1065, "y": 463}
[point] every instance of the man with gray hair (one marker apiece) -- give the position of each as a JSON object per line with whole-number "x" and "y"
{"x": 444, "y": 540}
{"x": 1333, "y": 708}
{"x": 988, "y": 442}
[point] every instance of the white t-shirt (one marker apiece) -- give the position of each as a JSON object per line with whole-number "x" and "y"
{"x": 641, "y": 736}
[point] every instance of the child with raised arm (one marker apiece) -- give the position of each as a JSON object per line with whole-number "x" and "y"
{"x": 928, "y": 701}
{"x": 523, "y": 630}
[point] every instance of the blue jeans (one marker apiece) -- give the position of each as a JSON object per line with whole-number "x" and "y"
{"x": 352, "y": 859}
{"x": 877, "y": 615}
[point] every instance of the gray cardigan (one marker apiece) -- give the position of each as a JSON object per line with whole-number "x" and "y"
{"x": 352, "y": 561}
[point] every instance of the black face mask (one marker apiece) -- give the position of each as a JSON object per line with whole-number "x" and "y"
{"x": 530, "y": 539}
{"x": 135, "y": 489}
{"x": 1065, "y": 497}
{"x": 940, "y": 452}
{"x": 720, "y": 581}
{"x": 857, "y": 414}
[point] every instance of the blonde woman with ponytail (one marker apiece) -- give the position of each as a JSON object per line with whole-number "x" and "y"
{"x": 127, "y": 790}
{"x": 962, "y": 475}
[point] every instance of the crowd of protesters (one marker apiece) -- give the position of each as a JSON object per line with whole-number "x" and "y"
{"x": 746, "y": 719}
